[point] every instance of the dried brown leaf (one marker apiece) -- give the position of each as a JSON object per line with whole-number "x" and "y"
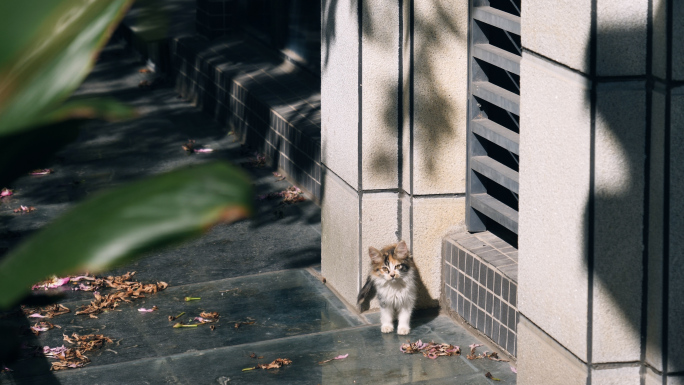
{"x": 489, "y": 375}
{"x": 238, "y": 324}
{"x": 47, "y": 311}
{"x": 277, "y": 363}
{"x": 125, "y": 291}
{"x": 210, "y": 315}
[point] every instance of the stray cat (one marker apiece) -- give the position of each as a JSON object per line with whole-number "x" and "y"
{"x": 393, "y": 274}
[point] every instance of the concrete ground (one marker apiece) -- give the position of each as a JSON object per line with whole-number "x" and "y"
{"x": 264, "y": 270}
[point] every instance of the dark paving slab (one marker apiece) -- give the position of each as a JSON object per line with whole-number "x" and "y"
{"x": 281, "y": 304}
{"x": 374, "y": 358}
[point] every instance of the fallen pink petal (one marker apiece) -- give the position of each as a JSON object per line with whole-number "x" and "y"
{"x": 341, "y": 357}
{"x": 514, "y": 370}
{"x": 52, "y": 283}
{"x": 82, "y": 278}
{"x": 6, "y": 192}
{"x": 54, "y": 352}
{"x": 24, "y": 209}
{"x": 84, "y": 287}
{"x": 203, "y": 150}
{"x": 36, "y": 315}
{"x": 43, "y": 171}
{"x": 57, "y": 282}
{"x": 143, "y": 310}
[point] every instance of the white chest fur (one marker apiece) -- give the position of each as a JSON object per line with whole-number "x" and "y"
{"x": 398, "y": 293}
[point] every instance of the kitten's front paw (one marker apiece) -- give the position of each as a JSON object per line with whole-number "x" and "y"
{"x": 403, "y": 330}
{"x": 387, "y": 328}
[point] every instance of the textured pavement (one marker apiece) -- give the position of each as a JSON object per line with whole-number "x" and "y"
{"x": 261, "y": 270}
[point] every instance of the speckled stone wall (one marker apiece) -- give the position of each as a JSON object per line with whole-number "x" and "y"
{"x": 394, "y": 81}
{"x": 599, "y": 224}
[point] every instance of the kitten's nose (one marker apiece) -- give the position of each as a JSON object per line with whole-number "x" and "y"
{"x": 392, "y": 275}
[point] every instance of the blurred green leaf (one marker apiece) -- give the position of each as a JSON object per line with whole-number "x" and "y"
{"x": 103, "y": 108}
{"x": 125, "y": 222}
{"x": 53, "y": 47}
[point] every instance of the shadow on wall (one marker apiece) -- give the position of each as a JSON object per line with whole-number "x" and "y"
{"x": 437, "y": 115}
{"x": 617, "y": 221}
{"x": 419, "y": 103}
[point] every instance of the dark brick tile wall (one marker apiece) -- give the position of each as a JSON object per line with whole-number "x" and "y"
{"x": 482, "y": 293}
{"x": 216, "y": 18}
{"x": 273, "y": 111}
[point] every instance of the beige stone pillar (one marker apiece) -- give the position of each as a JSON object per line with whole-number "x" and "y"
{"x": 599, "y": 232}
{"x": 394, "y": 79}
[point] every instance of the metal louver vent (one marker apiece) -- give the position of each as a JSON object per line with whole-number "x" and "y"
{"x": 493, "y": 111}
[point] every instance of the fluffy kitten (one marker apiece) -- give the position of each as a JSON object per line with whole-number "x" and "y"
{"x": 393, "y": 274}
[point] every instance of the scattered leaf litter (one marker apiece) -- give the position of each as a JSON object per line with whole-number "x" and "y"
{"x": 25, "y": 209}
{"x": 290, "y": 195}
{"x": 193, "y": 148}
{"x": 276, "y": 364}
{"x": 259, "y": 160}
{"x": 43, "y": 326}
{"x": 82, "y": 282}
{"x": 250, "y": 321}
{"x": 494, "y": 356}
{"x": 45, "y": 312}
{"x": 207, "y": 317}
{"x": 87, "y": 342}
{"x": 71, "y": 358}
{"x": 472, "y": 354}
{"x": 430, "y": 350}
{"x": 125, "y": 291}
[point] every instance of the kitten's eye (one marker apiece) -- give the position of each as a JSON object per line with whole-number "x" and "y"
{"x": 401, "y": 267}
{"x": 385, "y": 269}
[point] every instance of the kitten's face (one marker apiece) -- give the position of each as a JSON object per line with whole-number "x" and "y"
{"x": 391, "y": 263}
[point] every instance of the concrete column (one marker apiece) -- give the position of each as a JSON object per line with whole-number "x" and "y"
{"x": 600, "y": 135}
{"x": 394, "y": 81}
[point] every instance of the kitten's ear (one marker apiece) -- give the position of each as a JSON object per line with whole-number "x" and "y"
{"x": 401, "y": 251}
{"x": 374, "y": 255}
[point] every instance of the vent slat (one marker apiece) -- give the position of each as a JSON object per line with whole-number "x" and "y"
{"x": 497, "y": 134}
{"x": 497, "y": 96}
{"x": 497, "y": 18}
{"x": 496, "y": 171}
{"x": 495, "y": 210}
{"x": 498, "y": 57}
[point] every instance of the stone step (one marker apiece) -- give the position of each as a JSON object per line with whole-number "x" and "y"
{"x": 480, "y": 285}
